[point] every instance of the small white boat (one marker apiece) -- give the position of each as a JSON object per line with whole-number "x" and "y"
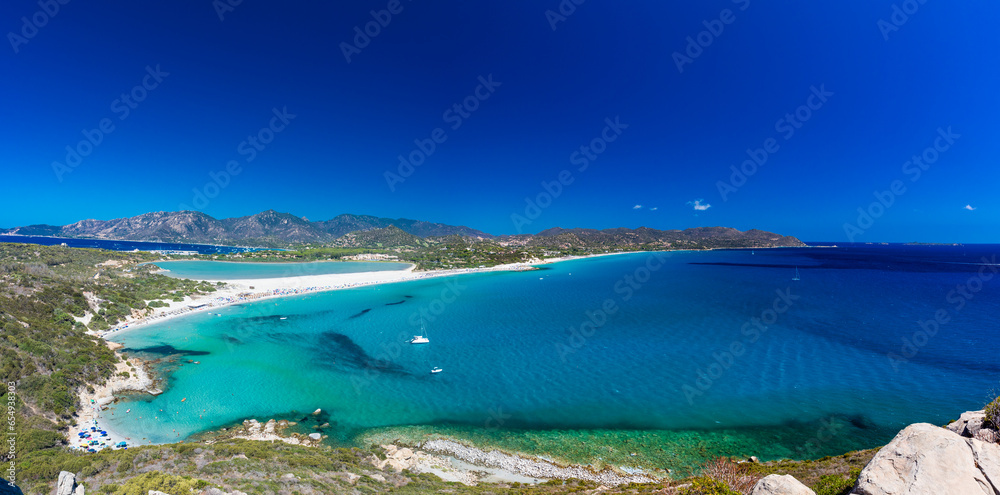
{"x": 436, "y": 370}
{"x": 284, "y": 318}
{"x": 420, "y": 339}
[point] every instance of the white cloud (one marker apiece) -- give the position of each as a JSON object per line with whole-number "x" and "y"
{"x": 969, "y": 207}
{"x": 698, "y": 206}
{"x": 637, "y": 207}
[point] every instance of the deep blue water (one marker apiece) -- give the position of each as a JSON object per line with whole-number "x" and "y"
{"x": 123, "y": 245}
{"x": 721, "y": 343}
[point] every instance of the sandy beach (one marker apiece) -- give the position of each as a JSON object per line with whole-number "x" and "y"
{"x": 246, "y": 290}
{"x": 91, "y": 413}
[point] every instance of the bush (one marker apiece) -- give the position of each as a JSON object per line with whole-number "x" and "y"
{"x": 992, "y": 414}
{"x": 142, "y": 484}
{"x": 704, "y": 485}
{"x": 834, "y": 484}
{"x": 736, "y": 477}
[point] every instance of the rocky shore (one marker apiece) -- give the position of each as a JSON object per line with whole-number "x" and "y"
{"x": 129, "y": 375}
{"x": 533, "y": 468}
{"x": 273, "y": 431}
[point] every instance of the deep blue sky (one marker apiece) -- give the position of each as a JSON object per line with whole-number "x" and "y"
{"x": 685, "y": 130}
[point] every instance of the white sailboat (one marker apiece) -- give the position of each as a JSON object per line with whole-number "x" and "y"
{"x": 796, "y": 277}
{"x": 420, "y": 339}
{"x": 436, "y": 370}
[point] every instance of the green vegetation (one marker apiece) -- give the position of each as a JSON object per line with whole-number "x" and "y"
{"x": 45, "y": 291}
{"x": 704, "y": 485}
{"x": 992, "y": 411}
{"x": 44, "y": 349}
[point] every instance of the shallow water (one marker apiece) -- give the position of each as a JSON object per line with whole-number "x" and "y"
{"x": 578, "y": 362}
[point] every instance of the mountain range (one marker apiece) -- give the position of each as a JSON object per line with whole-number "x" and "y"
{"x": 273, "y": 229}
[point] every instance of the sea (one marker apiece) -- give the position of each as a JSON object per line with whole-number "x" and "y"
{"x": 123, "y": 245}
{"x": 654, "y": 362}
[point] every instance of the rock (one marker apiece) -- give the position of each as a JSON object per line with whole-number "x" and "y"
{"x": 780, "y": 484}
{"x": 78, "y": 490}
{"x": 199, "y": 450}
{"x": 754, "y": 459}
{"x": 66, "y": 484}
{"x": 317, "y": 411}
{"x": 986, "y": 435}
{"x": 396, "y": 464}
{"x": 315, "y": 436}
{"x": 288, "y": 476}
{"x": 926, "y": 459}
{"x": 968, "y": 423}
{"x": 157, "y": 492}
{"x": 378, "y": 477}
{"x": 403, "y": 453}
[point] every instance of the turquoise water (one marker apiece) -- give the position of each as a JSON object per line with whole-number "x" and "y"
{"x": 523, "y": 368}
{"x": 219, "y": 270}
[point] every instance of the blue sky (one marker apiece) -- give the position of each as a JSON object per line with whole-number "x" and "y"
{"x": 890, "y": 87}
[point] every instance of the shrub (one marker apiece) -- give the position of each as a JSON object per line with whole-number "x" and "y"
{"x": 153, "y": 480}
{"x": 834, "y": 484}
{"x": 992, "y": 414}
{"x": 704, "y": 485}
{"x": 736, "y": 476}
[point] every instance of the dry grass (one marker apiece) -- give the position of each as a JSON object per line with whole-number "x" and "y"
{"x": 737, "y": 476}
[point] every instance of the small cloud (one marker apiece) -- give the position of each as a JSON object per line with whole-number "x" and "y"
{"x": 637, "y": 207}
{"x": 969, "y": 207}
{"x": 654, "y": 208}
{"x": 698, "y": 206}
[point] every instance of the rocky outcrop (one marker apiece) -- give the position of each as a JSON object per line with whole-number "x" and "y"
{"x": 274, "y": 430}
{"x": 67, "y": 484}
{"x": 968, "y": 424}
{"x": 927, "y": 459}
{"x": 532, "y": 468}
{"x": 780, "y": 484}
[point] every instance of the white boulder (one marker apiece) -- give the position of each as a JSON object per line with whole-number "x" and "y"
{"x": 780, "y": 484}
{"x": 927, "y": 459}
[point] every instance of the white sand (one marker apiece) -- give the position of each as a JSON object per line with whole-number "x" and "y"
{"x": 239, "y": 291}
{"x": 91, "y": 411}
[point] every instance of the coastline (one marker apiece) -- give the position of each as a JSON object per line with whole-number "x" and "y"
{"x": 92, "y": 403}
{"x": 238, "y": 292}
